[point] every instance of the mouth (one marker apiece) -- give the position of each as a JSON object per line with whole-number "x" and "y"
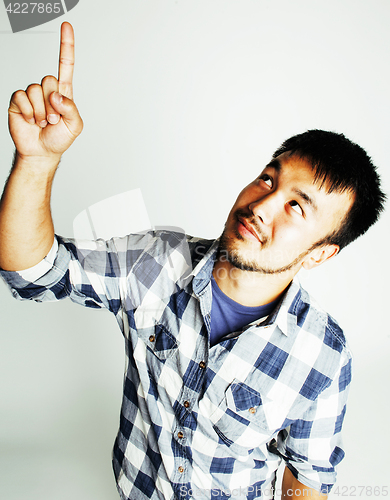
{"x": 247, "y": 230}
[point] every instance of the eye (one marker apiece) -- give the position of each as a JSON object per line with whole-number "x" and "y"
{"x": 295, "y": 206}
{"x": 267, "y": 179}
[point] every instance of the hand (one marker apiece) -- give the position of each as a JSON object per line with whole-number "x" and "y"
{"x": 43, "y": 120}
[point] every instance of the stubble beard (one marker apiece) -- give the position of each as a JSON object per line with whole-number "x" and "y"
{"x": 228, "y": 250}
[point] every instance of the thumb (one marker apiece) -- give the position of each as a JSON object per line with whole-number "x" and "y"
{"x": 68, "y": 110}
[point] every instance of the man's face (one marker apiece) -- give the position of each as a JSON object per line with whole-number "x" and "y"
{"x": 277, "y": 220}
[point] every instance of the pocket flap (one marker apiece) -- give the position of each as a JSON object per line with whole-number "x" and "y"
{"x": 159, "y": 341}
{"x": 243, "y": 397}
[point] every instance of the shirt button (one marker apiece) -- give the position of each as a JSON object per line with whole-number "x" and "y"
{"x": 186, "y": 404}
{"x": 252, "y": 410}
{"x": 202, "y": 365}
{"x": 152, "y": 338}
{"x": 180, "y": 435}
{"x": 181, "y": 469}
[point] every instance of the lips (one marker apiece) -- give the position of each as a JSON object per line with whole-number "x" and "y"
{"x": 246, "y": 229}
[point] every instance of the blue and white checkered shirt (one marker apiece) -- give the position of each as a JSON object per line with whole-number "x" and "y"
{"x": 199, "y": 421}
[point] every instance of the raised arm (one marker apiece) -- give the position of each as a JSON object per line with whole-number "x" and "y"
{"x": 43, "y": 122}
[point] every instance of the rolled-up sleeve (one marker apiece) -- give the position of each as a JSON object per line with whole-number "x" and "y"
{"x": 312, "y": 446}
{"x": 110, "y": 274}
{"x": 84, "y": 271}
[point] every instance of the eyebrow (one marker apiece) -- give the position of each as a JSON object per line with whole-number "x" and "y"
{"x": 306, "y": 198}
{"x": 275, "y": 163}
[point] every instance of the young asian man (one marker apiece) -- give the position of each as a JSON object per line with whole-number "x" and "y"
{"x": 232, "y": 367}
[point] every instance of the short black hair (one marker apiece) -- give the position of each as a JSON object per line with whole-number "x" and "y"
{"x": 341, "y": 165}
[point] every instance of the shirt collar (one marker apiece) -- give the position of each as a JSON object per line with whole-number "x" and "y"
{"x": 203, "y": 270}
{"x": 286, "y": 314}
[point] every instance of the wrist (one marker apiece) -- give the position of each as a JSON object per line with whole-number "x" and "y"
{"x": 45, "y": 165}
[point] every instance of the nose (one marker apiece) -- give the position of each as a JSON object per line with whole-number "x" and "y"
{"x": 266, "y": 208}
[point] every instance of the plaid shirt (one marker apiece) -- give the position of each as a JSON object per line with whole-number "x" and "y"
{"x": 197, "y": 421}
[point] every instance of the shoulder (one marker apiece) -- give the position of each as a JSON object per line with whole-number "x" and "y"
{"x": 312, "y": 325}
{"x": 309, "y": 311}
{"x": 170, "y": 247}
{"x": 174, "y": 238}
{"x": 177, "y": 239}
{"x": 318, "y": 340}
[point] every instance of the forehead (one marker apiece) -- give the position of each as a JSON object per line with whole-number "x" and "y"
{"x": 297, "y": 174}
{"x": 297, "y": 169}
{"x": 294, "y": 165}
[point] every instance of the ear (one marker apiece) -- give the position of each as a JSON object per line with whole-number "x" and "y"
{"x": 320, "y": 255}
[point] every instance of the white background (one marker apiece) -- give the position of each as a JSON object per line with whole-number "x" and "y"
{"x": 187, "y": 100}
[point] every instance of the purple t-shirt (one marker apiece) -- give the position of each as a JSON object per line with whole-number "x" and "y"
{"x": 228, "y": 316}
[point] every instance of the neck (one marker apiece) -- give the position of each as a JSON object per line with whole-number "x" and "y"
{"x": 250, "y": 288}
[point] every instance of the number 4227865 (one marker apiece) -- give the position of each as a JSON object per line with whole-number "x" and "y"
{"x": 33, "y": 7}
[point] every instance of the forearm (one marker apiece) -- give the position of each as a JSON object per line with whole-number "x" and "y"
{"x": 26, "y": 226}
{"x": 292, "y": 489}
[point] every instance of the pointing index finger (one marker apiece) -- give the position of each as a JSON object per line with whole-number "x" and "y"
{"x": 66, "y": 61}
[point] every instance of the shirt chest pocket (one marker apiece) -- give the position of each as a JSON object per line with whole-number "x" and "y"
{"x": 240, "y": 421}
{"x": 159, "y": 341}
